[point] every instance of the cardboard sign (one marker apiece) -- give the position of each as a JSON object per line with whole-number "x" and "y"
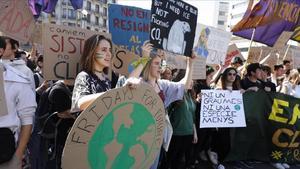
{"x": 296, "y": 57}
{"x": 222, "y": 108}
{"x": 16, "y": 19}
{"x": 282, "y": 40}
{"x": 63, "y": 47}
{"x": 258, "y": 53}
{"x": 129, "y": 26}
{"x": 122, "y": 61}
{"x": 37, "y": 34}
{"x": 175, "y": 61}
{"x": 173, "y": 25}
{"x": 122, "y": 128}
{"x": 199, "y": 68}
{"x": 3, "y": 110}
{"x": 232, "y": 52}
{"x": 212, "y": 44}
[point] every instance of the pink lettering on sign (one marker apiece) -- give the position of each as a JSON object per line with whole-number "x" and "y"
{"x": 16, "y": 20}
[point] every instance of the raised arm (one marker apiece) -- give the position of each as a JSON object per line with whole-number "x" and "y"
{"x": 187, "y": 79}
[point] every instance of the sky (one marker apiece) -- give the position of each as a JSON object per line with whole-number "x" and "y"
{"x": 205, "y": 8}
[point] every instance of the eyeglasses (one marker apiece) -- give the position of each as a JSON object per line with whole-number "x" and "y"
{"x": 231, "y": 74}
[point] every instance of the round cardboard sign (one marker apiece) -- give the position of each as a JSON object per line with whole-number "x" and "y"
{"x": 122, "y": 128}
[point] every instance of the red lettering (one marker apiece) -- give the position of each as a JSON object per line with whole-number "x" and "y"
{"x": 140, "y": 14}
{"x": 123, "y": 24}
{"x": 74, "y": 47}
{"x": 127, "y": 12}
{"x": 116, "y": 23}
{"x": 23, "y": 24}
{"x": 62, "y": 44}
{"x": 56, "y": 41}
{"x": 14, "y": 20}
{"x": 81, "y": 44}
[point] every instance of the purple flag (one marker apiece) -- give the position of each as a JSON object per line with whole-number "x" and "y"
{"x": 48, "y": 6}
{"x": 270, "y": 18}
{"x": 77, "y": 4}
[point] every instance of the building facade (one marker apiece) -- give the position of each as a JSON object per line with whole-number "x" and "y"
{"x": 222, "y": 15}
{"x": 92, "y": 16}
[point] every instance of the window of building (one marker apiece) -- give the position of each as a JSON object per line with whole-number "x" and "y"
{"x": 96, "y": 20}
{"x": 221, "y": 22}
{"x": 64, "y": 13}
{"x": 97, "y": 9}
{"x": 71, "y": 24}
{"x": 104, "y": 12}
{"x": 71, "y": 14}
{"x": 88, "y": 5}
{"x": 88, "y": 18}
{"x": 239, "y": 5}
{"x": 224, "y": 3}
{"x": 104, "y": 23}
{"x": 222, "y": 13}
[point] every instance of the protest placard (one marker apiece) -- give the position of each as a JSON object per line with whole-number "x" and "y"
{"x": 199, "y": 68}
{"x": 63, "y": 47}
{"x": 222, "y": 108}
{"x": 173, "y": 25}
{"x": 122, "y": 128}
{"x": 16, "y": 19}
{"x": 3, "y": 110}
{"x": 232, "y": 52}
{"x": 37, "y": 34}
{"x": 129, "y": 26}
{"x": 296, "y": 57}
{"x": 282, "y": 40}
{"x": 212, "y": 44}
{"x": 175, "y": 61}
{"x": 123, "y": 60}
{"x": 258, "y": 53}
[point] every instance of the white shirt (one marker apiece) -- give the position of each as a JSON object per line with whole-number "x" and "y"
{"x": 20, "y": 100}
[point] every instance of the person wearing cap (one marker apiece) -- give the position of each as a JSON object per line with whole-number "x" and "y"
{"x": 236, "y": 62}
{"x": 251, "y": 81}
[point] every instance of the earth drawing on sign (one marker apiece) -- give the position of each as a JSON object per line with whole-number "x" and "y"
{"x": 122, "y": 139}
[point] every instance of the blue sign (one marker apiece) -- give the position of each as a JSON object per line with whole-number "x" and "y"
{"x": 129, "y": 26}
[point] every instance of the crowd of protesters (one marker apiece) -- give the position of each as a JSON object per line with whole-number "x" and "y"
{"x": 38, "y": 138}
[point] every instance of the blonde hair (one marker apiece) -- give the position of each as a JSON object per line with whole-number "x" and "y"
{"x": 293, "y": 74}
{"x": 147, "y": 68}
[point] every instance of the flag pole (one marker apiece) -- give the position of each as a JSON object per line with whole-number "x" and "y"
{"x": 252, "y": 37}
{"x": 260, "y": 53}
{"x": 286, "y": 52}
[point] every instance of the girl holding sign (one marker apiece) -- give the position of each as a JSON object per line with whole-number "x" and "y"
{"x": 91, "y": 82}
{"x": 220, "y": 145}
{"x": 167, "y": 90}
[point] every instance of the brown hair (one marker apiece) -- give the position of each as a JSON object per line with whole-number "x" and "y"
{"x": 235, "y": 85}
{"x": 90, "y": 46}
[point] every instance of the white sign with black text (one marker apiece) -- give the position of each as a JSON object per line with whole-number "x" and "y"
{"x": 222, "y": 109}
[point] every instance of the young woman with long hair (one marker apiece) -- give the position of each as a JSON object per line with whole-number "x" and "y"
{"x": 150, "y": 71}
{"x": 91, "y": 82}
{"x": 220, "y": 144}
